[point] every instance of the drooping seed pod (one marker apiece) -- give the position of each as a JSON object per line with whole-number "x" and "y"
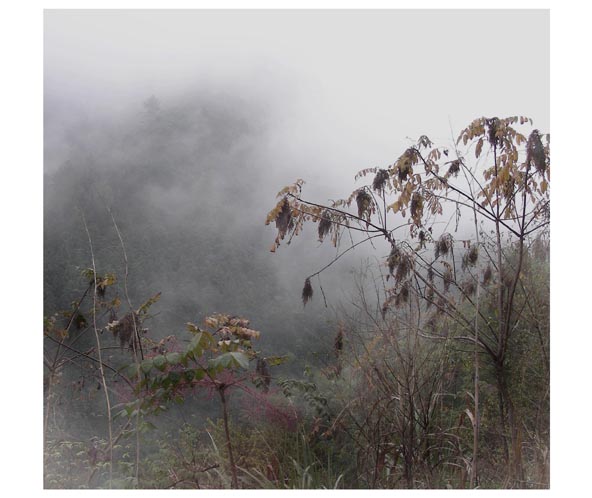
{"x": 306, "y": 291}
{"x": 324, "y": 225}
{"x": 283, "y": 220}
{"x": 338, "y": 342}
{"x": 394, "y": 259}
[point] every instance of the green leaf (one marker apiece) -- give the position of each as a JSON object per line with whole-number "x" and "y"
{"x": 230, "y": 360}
{"x": 175, "y": 378}
{"x": 132, "y": 371}
{"x": 173, "y": 358}
{"x": 195, "y": 344}
{"x": 159, "y": 362}
{"x": 274, "y": 361}
{"x": 146, "y": 365}
{"x": 241, "y": 358}
{"x": 145, "y": 306}
{"x": 146, "y": 426}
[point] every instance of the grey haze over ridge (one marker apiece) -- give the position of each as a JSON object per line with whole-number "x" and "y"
{"x": 340, "y": 90}
{"x": 317, "y": 95}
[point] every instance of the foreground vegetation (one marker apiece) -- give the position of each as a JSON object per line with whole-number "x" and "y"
{"x": 435, "y": 375}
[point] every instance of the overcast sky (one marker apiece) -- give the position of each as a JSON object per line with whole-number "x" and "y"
{"x": 343, "y": 89}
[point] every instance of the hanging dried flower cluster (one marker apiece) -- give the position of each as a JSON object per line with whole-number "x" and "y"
{"x": 306, "y": 291}
{"x": 324, "y": 224}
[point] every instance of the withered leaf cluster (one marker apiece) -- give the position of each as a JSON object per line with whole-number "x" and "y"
{"x": 470, "y": 257}
{"x": 416, "y": 207}
{"x": 380, "y": 180}
{"x": 364, "y": 202}
{"x": 454, "y": 167}
{"x": 403, "y": 295}
{"x": 394, "y": 259}
{"x": 405, "y": 163}
{"x": 403, "y": 268}
{"x": 228, "y": 327}
{"x": 324, "y": 224}
{"x": 306, "y": 291}
{"x": 535, "y": 152}
{"x": 492, "y": 131}
{"x": 125, "y": 328}
{"x": 468, "y": 287}
{"x": 284, "y": 221}
{"x": 443, "y": 245}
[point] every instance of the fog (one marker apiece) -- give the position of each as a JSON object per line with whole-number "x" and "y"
{"x": 184, "y": 125}
{"x": 341, "y": 89}
{"x": 249, "y": 101}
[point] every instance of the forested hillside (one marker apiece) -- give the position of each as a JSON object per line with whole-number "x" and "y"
{"x": 397, "y": 338}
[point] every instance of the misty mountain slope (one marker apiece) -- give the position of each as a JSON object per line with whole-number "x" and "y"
{"x": 186, "y": 187}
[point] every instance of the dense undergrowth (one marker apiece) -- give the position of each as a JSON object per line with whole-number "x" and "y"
{"x": 387, "y": 407}
{"x": 435, "y": 373}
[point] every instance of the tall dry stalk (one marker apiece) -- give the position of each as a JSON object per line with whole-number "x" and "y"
{"x": 221, "y": 392}
{"x": 136, "y": 342}
{"x": 474, "y": 476}
{"x": 101, "y": 370}
{"x": 476, "y": 425}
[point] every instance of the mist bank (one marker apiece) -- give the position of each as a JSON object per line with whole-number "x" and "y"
{"x": 188, "y": 183}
